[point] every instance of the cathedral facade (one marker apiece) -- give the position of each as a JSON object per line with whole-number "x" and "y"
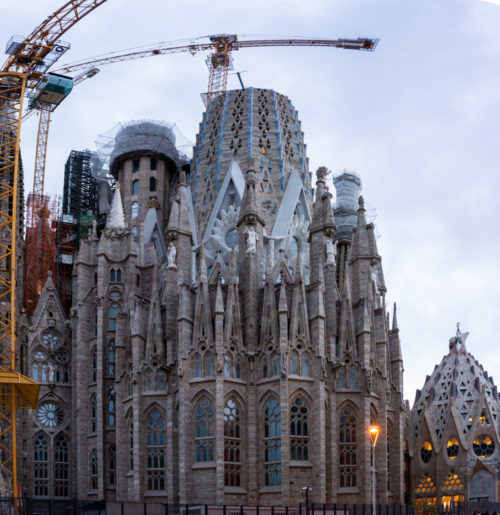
{"x": 228, "y": 340}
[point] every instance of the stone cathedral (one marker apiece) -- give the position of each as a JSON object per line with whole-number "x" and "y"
{"x": 228, "y": 340}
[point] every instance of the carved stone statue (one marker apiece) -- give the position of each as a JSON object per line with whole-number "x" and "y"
{"x": 171, "y": 255}
{"x": 331, "y": 252}
{"x": 374, "y": 277}
{"x": 52, "y": 372}
{"x": 284, "y": 366}
{"x": 219, "y": 363}
{"x": 251, "y": 237}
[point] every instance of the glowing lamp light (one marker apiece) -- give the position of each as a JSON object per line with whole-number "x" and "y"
{"x": 374, "y": 431}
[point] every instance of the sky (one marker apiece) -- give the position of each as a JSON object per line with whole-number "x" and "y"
{"x": 417, "y": 119}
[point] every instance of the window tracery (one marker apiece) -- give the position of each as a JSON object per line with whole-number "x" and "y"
{"x": 112, "y": 466}
{"x": 155, "y": 451}
{"x": 40, "y": 366}
{"x": 41, "y": 465}
{"x": 299, "y": 430}
{"x": 348, "y": 448}
{"x": 61, "y": 466}
{"x": 452, "y": 448}
{"x": 111, "y": 358}
{"x": 232, "y": 443}
{"x": 94, "y": 470}
{"x": 93, "y": 364}
{"x": 204, "y": 436}
{"x": 114, "y": 310}
{"x": 111, "y": 407}
{"x": 426, "y": 451}
{"x": 93, "y": 413}
{"x": 272, "y": 443}
{"x": 232, "y": 365}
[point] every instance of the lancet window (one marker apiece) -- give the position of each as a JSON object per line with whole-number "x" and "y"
{"x": 93, "y": 365}
{"x": 131, "y": 442}
{"x": 271, "y": 365}
{"x": 348, "y": 462}
{"x": 135, "y": 187}
{"x": 205, "y": 428}
{"x": 232, "y": 366}
{"x": 94, "y": 470}
{"x": 155, "y": 467}
{"x": 112, "y": 466}
{"x": 111, "y": 358}
{"x": 61, "y": 466}
{"x": 299, "y": 363}
{"x": 299, "y": 430}
{"x": 203, "y": 366}
{"x": 115, "y": 275}
{"x": 93, "y": 413}
{"x": 272, "y": 443}
{"x": 134, "y": 212}
{"x": 40, "y": 366}
{"x": 111, "y": 407}
{"x": 232, "y": 443}
{"x": 114, "y": 309}
{"x": 41, "y": 465}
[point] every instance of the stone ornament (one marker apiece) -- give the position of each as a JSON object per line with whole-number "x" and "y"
{"x": 171, "y": 255}
{"x": 251, "y": 238}
{"x": 331, "y": 252}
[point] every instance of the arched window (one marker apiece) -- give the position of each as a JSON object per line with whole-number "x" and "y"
{"x": 232, "y": 443}
{"x": 353, "y": 379}
{"x": 305, "y": 364}
{"x": 134, "y": 210}
{"x": 161, "y": 381}
{"x": 152, "y": 184}
{"x": 61, "y": 466}
{"x": 111, "y": 407}
{"x": 112, "y": 275}
{"x": 209, "y": 364}
{"x": 131, "y": 442}
{"x": 227, "y": 365}
{"x": 299, "y": 430}
{"x": 111, "y": 358}
{"x": 155, "y": 466}
{"x": 40, "y": 366}
{"x": 114, "y": 309}
{"x": 94, "y": 470}
{"x": 61, "y": 369}
{"x": 197, "y": 365}
{"x": 275, "y": 365}
{"x": 348, "y": 461}
{"x": 135, "y": 187}
{"x": 294, "y": 363}
{"x": 93, "y": 365}
{"x": 93, "y": 413}
{"x": 237, "y": 367}
{"x": 341, "y": 379}
{"x": 204, "y": 439}
{"x": 149, "y": 379}
{"x": 272, "y": 443}
{"x": 112, "y": 466}
{"x": 41, "y": 465}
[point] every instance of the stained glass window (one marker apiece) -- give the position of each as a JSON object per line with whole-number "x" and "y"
{"x": 41, "y": 465}
{"x": 272, "y": 443}
{"x": 204, "y": 439}
{"x": 299, "y": 430}
{"x": 94, "y": 470}
{"x": 155, "y": 466}
{"x": 111, "y": 358}
{"x": 348, "y": 461}
{"x": 112, "y": 466}
{"x": 50, "y": 414}
{"x": 61, "y": 466}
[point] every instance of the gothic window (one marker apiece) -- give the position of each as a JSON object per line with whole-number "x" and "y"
{"x": 232, "y": 443}
{"x": 305, "y": 364}
{"x": 483, "y": 446}
{"x": 152, "y": 184}
{"x": 161, "y": 381}
{"x": 426, "y": 451}
{"x": 452, "y": 448}
{"x": 94, "y": 470}
{"x": 40, "y": 366}
{"x": 112, "y": 466}
{"x": 155, "y": 467}
{"x": 135, "y": 187}
{"x": 227, "y": 365}
{"x": 41, "y": 465}
{"x": 299, "y": 430}
{"x": 111, "y": 407}
{"x": 272, "y": 443}
{"x": 111, "y": 358}
{"x": 341, "y": 379}
{"x": 61, "y": 368}
{"x": 237, "y": 367}
{"x": 149, "y": 379}
{"x": 209, "y": 364}
{"x": 197, "y": 365}
{"x": 93, "y": 413}
{"x": 275, "y": 365}
{"x": 114, "y": 309}
{"x": 294, "y": 363}
{"x": 204, "y": 439}
{"x": 50, "y": 339}
{"x": 131, "y": 442}
{"x": 93, "y": 365}
{"x": 353, "y": 380}
{"x": 347, "y": 448}
{"x": 134, "y": 210}
{"x": 61, "y": 466}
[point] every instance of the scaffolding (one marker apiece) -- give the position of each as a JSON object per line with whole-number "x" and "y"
{"x": 80, "y": 186}
{"x": 40, "y": 247}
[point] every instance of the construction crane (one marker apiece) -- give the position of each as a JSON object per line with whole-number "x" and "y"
{"x": 219, "y": 61}
{"x": 29, "y": 60}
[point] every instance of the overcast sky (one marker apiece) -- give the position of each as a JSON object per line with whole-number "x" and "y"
{"x": 417, "y": 119}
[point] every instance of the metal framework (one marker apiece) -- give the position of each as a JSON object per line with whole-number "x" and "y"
{"x": 29, "y": 60}
{"x": 219, "y": 61}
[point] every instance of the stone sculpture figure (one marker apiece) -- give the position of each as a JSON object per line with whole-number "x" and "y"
{"x": 331, "y": 252}
{"x": 171, "y": 255}
{"x": 251, "y": 240}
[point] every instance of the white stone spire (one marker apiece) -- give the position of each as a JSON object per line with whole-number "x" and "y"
{"x": 116, "y": 216}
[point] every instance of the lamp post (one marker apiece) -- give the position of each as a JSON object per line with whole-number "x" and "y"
{"x": 307, "y": 488}
{"x": 373, "y": 431}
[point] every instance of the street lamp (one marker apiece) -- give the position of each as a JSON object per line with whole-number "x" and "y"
{"x": 373, "y": 431}
{"x": 307, "y": 488}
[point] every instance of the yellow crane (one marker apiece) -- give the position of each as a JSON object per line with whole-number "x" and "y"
{"x": 28, "y": 61}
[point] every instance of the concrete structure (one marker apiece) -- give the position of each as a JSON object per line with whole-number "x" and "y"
{"x": 454, "y": 431}
{"x": 226, "y": 346}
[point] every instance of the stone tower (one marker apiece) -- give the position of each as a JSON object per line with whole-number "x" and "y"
{"x": 224, "y": 350}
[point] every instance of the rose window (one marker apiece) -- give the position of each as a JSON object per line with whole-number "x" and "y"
{"x": 50, "y": 414}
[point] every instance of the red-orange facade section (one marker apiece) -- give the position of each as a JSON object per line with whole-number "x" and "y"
{"x": 40, "y": 247}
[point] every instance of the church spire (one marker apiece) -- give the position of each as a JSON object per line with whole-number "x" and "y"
{"x": 116, "y": 217}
